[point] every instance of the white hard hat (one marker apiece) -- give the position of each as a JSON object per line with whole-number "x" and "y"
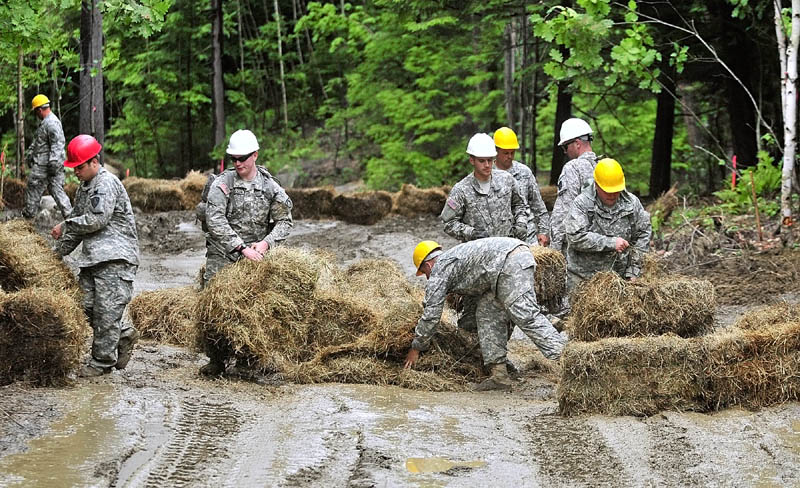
{"x": 481, "y": 146}
{"x": 572, "y": 129}
{"x": 242, "y": 142}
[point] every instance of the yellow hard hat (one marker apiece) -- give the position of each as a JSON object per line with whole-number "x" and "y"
{"x": 504, "y": 138}
{"x": 39, "y": 100}
{"x": 421, "y": 252}
{"x": 609, "y": 176}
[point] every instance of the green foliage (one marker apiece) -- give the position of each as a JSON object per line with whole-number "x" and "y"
{"x": 767, "y": 178}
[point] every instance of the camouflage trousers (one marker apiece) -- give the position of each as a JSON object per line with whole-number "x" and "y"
{"x": 217, "y": 348}
{"x": 214, "y": 263}
{"x": 514, "y": 302}
{"x": 107, "y": 289}
{"x": 41, "y": 177}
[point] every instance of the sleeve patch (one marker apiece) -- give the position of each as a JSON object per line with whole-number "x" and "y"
{"x": 224, "y": 188}
{"x": 452, "y": 204}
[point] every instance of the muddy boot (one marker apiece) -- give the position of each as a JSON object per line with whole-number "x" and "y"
{"x": 499, "y": 379}
{"x": 88, "y": 371}
{"x": 513, "y": 372}
{"x": 213, "y": 368}
{"x": 125, "y": 350}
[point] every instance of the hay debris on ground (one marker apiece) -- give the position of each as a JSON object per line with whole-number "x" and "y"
{"x": 192, "y": 187}
{"x": 411, "y": 201}
{"x": 608, "y": 306}
{"x": 311, "y": 203}
{"x": 549, "y": 194}
{"x": 151, "y": 195}
{"x": 767, "y": 316}
{"x": 43, "y": 335}
{"x": 13, "y": 193}
{"x": 364, "y": 208}
{"x": 550, "y": 277}
{"x": 166, "y": 315}
{"x": 641, "y": 376}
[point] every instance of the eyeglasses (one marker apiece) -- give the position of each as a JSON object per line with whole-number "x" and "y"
{"x": 241, "y": 159}
{"x": 566, "y": 145}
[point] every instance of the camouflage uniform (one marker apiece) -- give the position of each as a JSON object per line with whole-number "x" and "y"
{"x": 538, "y": 218}
{"x": 592, "y": 229}
{"x": 499, "y": 272}
{"x": 573, "y": 178}
{"x": 240, "y": 213}
{"x": 102, "y": 220}
{"x": 45, "y": 158}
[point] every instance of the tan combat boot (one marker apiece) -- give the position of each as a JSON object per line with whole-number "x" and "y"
{"x": 498, "y": 380}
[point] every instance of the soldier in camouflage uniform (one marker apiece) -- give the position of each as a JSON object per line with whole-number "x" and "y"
{"x": 538, "y": 219}
{"x": 247, "y": 214}
{"x": 499, "y": 272}
{"x": 45, "y": 158}
{"x": 102, "y": 220}
{"x": 607, "y": 228}
{"x": 576, "y": 141}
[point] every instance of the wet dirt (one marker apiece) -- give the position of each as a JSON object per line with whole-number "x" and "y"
{"x": 158, "y": 423}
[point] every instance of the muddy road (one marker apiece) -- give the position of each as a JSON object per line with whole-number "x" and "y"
{"x": 158, "y": 423}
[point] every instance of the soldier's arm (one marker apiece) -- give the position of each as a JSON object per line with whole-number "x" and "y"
{"x": 281, "y": 213}
{"x": 55, "y": 136}
{"x": 66, "y": 244}
{"x": 217, "y": 222}
{"x": 640, "y": 242}
{"x": 453, "y": 216}
{"x": 435, "y": 294}
{"x": 519, "y": 208}
{"x": 577, "y": 233}
{"x": 540, "y": 219}
{"x": 102, "y": 201}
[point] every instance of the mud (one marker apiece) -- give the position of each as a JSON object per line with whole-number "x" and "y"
{"x": 158, "y": 423}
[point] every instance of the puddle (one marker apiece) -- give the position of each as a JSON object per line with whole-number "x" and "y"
{"x": 439, "y": 465}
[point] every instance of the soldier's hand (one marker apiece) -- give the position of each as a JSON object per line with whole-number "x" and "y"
{"x": 479, "y": 234}
{"x": 621, "y": 244}
{"x": 260, "y": 246}
{"x": 544, "y": 240}
{"x": 56, "y": 232}
{"x": 252, "y": 254}
{"x": 411, "y": 358}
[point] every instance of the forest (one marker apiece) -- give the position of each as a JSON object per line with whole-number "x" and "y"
{"x": 389, "y": 91}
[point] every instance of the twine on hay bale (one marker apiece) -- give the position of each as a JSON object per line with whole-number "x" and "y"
{"x": 549, "y": 194}
{"x": 151, "y": 195}
{"x": 311, "y": 203}
{"x": 166, "y": 315}
{"x": 608, "y": 306}
{"x": 551, "y": 276}
{"x": 411, "y": 201}
{"x": 364, "y": 208}
{"x": 768, "y": 316}
{"x": 13, "y": 193}
{"x": 192, "y": 187}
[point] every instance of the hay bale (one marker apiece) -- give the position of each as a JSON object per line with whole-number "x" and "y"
{"x": 154, "y": 195}
{"x": 654, "y": 266}
{"x": 43, "y": 335}
{"x": 550, "y": 277}
{"x": 13, "y": 193}
{"x": 166, "y": 315}
{"x": 26, "y": 261}
{"x": 608, "y": 306}
{"x": 311, "y": 203}
{"x": 768, "y": 316}
{"x": 192, "y": 187}
{"x": 549, "y": 194}
{"x": 364, "y": 208}
{"x": 71, "y": 189}
{"x": 663, "y": 206}
{"x": 411, "y": 201}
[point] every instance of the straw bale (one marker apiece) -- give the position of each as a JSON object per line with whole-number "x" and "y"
{"x": 549, "y": 194}
{"x": 192, "y": 187}
{"x": 71, "y": 189}
{"x": 43, "y": 336}
{"x": 608, "y": 306}
{"x": 151, "y": 195}
{"x": 311, "y": 203}
{"x": 364, "y": 208}
{"x": 550, "y": 277}
{"x": 663, "y": 206}
{"x": 13, "y": 193}
{"x": 411, "y": 201}
{"x": 26, "y": 260}
{"x": 768, "y": 316}
{"x": 166, "y": 315}
{"x": 654, "y": 266}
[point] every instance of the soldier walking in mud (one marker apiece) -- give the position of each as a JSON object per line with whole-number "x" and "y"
{"x": 506, "y": 143}
{"x": 247, "y": 214}
{"x": 102, "y": 220}
{"x": 607, "y": 228}
{"x": 499, "y": 272}
{"x": 45, "y": 158}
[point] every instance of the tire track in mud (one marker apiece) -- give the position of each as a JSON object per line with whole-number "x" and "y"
{"x": 672, "y": 454}
{"x": 343, "y": 456}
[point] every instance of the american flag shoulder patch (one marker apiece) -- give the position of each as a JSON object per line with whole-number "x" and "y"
{"x": 452, "y": 203}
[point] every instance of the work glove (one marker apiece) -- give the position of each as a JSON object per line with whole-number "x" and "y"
{"x": 479, "y": 234}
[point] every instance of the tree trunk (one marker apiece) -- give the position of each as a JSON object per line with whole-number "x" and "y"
{"x": 280, "y": 61}
{"x": 296, "y": 37}
{"x": 241, "y": 40}
{"x": 788, "y": 59}
{"x": 91, "y": 95}
{"x": 563, "y": 112}
{"x": 217, "y": 86}
{"x": 20, "y": 117}
{"x": 508, "y": 85}
{"x": 661, "y": 160}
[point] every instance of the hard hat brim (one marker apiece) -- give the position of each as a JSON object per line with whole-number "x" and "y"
{"x": 612, "y": 188}
{"x": 508, "y": 146}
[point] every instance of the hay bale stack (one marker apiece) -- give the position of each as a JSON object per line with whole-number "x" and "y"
{"x": 13, "y": 193}
{"x": 154, "y": 195}
{"x": 364, "y": 208}
{"x": 27, "y": 261}
{"x": 550, "y": 277}
{"x": 608, "y": 306}
{"x": 311, "y": 203}
{"x": 166, "y": 315}
{"x": 42, "y": 336}
{"x": 549, "y": 194}
{"x": 192, "y": 187}
{"x": 411, "y": 201}
{"x": 768, "y": 316}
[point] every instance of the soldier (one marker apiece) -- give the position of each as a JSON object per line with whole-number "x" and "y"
{"x": 45, "y": 158}
{"x": 499, "y": 272}
{"x": 607, "y": 228}
{"x": 538, "y": 219}
{"x": 576, "y": 141}
{"x": 103, "y": 221}
{"x": 247, "y": 214}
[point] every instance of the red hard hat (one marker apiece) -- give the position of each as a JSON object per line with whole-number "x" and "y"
{"x": 81, "y": 149}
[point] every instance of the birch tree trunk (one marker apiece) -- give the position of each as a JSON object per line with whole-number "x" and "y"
{"x": 280, "y": 62}
{"x": 508, "y": 86}
{"x": 20, "y": 118}
{"x": 217, "y": 86}
{"x": 788, "y": 58}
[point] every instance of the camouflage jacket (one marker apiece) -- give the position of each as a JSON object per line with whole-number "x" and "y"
{"x": 238, "y": 216}
{"x": 538, "y": 218}
{"x": 102, "y": 219}
{"x": 502, "y": 212}
{"x": 573, "y": 178}
{"x": 471, "y": 268}
{"x": 48, "y": 143}
{"x": 592, "y": 229}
